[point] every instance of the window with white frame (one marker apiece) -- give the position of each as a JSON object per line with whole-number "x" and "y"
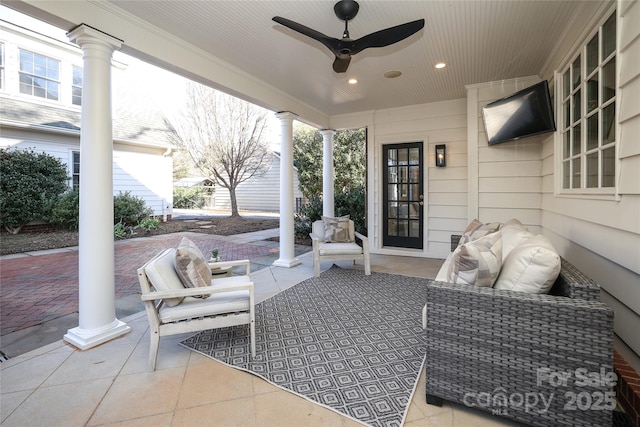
{"x": 588, "y": 114}
{"x": 39, "y": 75}
{"x": 75, "y": 170}
{"x": 76, "y": 86}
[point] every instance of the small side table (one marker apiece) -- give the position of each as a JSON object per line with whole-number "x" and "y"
{"x": 219, "y": 272}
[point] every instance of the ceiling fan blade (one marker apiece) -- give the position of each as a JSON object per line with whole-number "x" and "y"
{"x": 341, "y": 64}
{"x": 387, "y": 36}
{"x": 330, "y": 42}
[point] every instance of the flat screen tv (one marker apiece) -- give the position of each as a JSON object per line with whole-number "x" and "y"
{"x": 525, "y": 113}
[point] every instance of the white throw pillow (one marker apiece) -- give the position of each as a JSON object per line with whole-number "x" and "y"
{"x": 514, "y": 222}
{"x": 533, "y": 266}
{"x": 512, "y": 237}
{"x": 478, "y": 262}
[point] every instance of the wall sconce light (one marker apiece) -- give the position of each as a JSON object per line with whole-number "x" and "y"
{"x": 441, "y": 160}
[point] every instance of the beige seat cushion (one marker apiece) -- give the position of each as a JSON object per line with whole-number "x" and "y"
{"x": 163, "y": 277}
{"x": 340, "y": 249}
{"x": 226, "y": 302}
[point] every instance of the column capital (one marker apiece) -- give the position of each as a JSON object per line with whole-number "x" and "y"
{"x": 84, "y": 33}
{"x": 286, "y": 115}
{"x": 327, "y": 132}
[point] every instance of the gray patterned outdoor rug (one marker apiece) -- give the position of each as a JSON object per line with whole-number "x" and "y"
{"x": 350, "y": 342}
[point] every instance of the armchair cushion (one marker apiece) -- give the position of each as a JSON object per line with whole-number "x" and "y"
{"x": 336, "y": 230}
{"x": 191, "y": 266}
{"x": 478, "y": 262}
{"x": 340, "y": 248}
{"x": 226, "y": 302}
{"x": 163, "y": 277}
{"x": 532, "y": 266}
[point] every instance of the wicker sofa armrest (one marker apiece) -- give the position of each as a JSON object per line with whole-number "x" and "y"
{"x": 483, "y": 340}
{"x": 572, "y": 283}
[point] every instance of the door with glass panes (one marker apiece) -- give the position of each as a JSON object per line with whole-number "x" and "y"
{"x": 403, "y": 197}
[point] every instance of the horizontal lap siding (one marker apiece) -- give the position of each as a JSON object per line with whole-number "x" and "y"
{"x": 146, "y": 174}
{"x": 445, "y": 189}
{"x": 509, "y": 174}
{"x": 259, "y": 193}
{"x": 602, "y": 236}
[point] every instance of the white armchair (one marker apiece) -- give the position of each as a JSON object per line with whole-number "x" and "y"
{"x": 173, "y": 309}
{"x": 325, "y": 250}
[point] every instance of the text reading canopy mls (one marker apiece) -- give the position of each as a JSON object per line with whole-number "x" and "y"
{"x": 525, "y": 113}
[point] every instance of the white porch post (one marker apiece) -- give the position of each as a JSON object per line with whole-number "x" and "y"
{"x": 96, "y": 267}
{"x": 287, "y": 251}
{"x": 328, "y": 202}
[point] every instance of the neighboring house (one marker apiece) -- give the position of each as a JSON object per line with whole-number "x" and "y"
{"x": 40, "y": 109}
{"x": 259, "y": 193}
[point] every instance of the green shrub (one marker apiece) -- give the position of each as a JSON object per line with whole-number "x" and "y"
{"x": 65, "y": 212}
{"x": 121, "y": 230}
{"x": 309, "y": 213}
{"x": 30, "y": 184}
{"x": 189, "y": 197}
{"x": 129, "y": 210}
{"x": 353, "y": 203}
{"x": 149, "y": 224}
{"x": 346, "y": 203}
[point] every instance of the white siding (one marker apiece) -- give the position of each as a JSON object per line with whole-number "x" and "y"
{"x": 445, "y": 189}
{"x": 602, "y": 236}
{"x": 506, "y": 177}
{"x": 259, "y": 193}
{"x": 144, "y": 172}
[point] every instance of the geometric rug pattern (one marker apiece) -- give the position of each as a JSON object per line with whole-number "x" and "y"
{"x": 350, "y": 342}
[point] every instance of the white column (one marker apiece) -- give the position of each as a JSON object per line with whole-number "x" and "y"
{"x": 328, "y": 202}
{"x": 287, "y": 240}
{"x": 96, "y": 267}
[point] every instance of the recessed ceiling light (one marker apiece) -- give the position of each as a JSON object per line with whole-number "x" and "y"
{"x": 352, "y": 81}
{"x": 392, "y": 74}
{"x": 440, "y": 65}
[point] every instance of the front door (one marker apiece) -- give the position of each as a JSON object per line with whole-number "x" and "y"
{"x": 403, "y": 197}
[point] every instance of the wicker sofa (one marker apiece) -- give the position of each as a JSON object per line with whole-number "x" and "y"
{"x": 544, "y": 360}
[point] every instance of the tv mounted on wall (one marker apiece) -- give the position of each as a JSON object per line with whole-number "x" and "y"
{"x": 525, "y": 113}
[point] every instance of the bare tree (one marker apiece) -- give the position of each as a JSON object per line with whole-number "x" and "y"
{"x": 224, "y": 136}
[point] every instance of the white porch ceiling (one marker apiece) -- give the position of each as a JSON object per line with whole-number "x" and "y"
{"x": 480, "y": 41}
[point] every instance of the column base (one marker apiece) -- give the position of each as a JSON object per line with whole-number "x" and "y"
{"x": 287, "y": 263}
{"x": 85, "y": 339}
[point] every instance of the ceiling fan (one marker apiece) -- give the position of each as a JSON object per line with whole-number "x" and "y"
{"x": 345, "y": 47}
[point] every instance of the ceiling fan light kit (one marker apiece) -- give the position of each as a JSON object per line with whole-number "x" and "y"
{"x": 345, "y": 48}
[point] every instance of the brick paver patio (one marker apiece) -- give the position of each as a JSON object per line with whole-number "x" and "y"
{"x": 42, "y": 287}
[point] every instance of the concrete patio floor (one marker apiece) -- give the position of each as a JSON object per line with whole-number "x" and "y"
{"x": 58, "y": 385}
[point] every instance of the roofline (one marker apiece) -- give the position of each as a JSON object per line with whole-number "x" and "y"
{"x": 75, "y": 132}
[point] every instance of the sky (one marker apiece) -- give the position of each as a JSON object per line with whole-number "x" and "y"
{"x": 146, "y": 76}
